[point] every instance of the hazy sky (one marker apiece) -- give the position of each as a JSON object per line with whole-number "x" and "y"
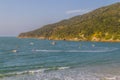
{"x": 18, "y": 16}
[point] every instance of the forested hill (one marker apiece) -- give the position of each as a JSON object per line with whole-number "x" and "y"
{"x": 102, "y": 24}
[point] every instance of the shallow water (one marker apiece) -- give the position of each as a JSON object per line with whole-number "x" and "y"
{"x": 33, "y": 59}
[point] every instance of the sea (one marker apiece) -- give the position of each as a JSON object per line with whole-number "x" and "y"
{"x": 34, "y": 59}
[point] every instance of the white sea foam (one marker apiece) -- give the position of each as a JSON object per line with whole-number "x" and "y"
{"x": 62, "y": 68}
{"x": 110, "y": 78}
{"x": 94, "y": 50}
{"x": 67, "y": 74}
{"x": 37, "y": 71}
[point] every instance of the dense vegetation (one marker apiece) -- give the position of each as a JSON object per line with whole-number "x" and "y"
{"x": 102, "y": 24}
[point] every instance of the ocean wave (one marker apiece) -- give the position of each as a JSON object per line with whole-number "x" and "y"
{"x": 34, "y": 71}
{"x": 94, "y": 50}
{"x": 67, "y": 74}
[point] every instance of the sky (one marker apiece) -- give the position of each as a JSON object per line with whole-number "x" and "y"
{"x": 18, "y": 16}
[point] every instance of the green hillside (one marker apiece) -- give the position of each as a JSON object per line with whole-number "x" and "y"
{"x": 102, "y": 24}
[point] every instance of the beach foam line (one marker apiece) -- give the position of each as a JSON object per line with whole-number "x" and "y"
{"x": 67, "y": 74}
{"x": 110, "y": 78}
{"x": 34, "y": 71}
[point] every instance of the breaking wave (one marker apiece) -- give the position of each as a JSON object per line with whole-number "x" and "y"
{"x": 34, "y": 71}
{"x": 94, "y": 50}
{"x": 66, "y": 74}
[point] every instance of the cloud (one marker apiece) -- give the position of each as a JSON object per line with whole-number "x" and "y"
{"x": 81, "y": 11}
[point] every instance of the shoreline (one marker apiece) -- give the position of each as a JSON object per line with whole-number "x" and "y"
{"x": 77, "y": 40}
{"x": 72, "y": 73}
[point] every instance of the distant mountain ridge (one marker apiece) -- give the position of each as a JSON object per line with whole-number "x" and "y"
{"x": 102, "y": 24}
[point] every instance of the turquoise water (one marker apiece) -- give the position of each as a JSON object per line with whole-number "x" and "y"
{"x": 33, "y": 59}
